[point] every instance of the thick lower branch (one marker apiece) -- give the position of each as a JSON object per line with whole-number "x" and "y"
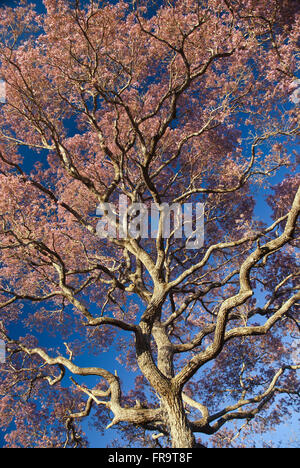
{"x": 233, "y": 412}
{"x": 243, "y": 295}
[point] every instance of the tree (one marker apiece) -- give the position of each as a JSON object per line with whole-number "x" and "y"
{"x": 170, "y": 102}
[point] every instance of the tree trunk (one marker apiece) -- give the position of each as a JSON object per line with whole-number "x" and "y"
{"x": 181, "y": 433}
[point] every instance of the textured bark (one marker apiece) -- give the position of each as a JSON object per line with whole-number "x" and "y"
{"x": 161, "y": 375}
{"x": 179, "y": 427}
{"x": 165, "y": 350}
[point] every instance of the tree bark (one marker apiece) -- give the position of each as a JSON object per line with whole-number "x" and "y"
{"x": 180, "y": 430}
